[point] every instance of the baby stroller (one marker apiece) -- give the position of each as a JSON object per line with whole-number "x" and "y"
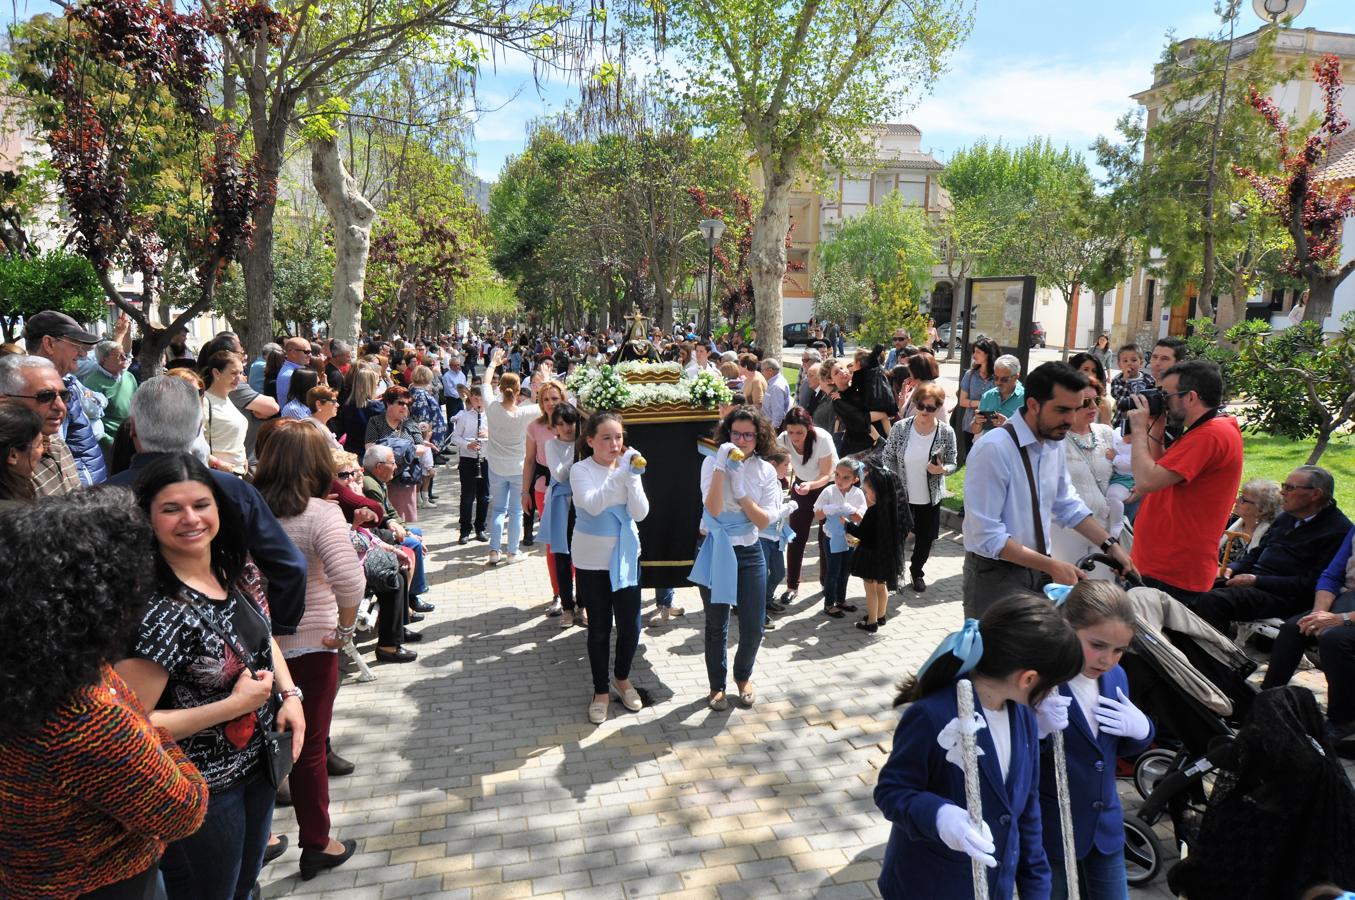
{"x": 1192, "y": 681}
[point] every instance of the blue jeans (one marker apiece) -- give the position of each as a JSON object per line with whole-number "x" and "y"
{"x": 505, "y": 499}
{"x": 776, "y": 566}
{"x": 420, "y": 582}
{"x": 663, "y": 598}
{"x": 222, "y": 859}
{"x": 752, "y": 613}
{"x": 837, "y": 569}
{"x": 1101, "y": 876}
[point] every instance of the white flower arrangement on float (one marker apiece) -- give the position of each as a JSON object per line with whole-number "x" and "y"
{"x": 642, "y": 395}
{"x": 708, "y": 390}
{"x": 604, "y": 390}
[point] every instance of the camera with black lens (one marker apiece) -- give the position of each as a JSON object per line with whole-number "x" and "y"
{"x": 1157, "y": 402}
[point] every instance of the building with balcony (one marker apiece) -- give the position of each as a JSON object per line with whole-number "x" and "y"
{"x": 1135, "y": 309}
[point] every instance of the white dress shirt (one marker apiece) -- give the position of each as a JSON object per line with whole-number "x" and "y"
{"x": 465, "y": 427}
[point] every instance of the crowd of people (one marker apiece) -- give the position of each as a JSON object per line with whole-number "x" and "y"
{"x": 244, "y": 511}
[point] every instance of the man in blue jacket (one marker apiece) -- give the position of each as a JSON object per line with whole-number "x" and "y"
{"x": 165, "y": 417}
{"x": 1278, "y": 577}
{"x": 59, "y": 338}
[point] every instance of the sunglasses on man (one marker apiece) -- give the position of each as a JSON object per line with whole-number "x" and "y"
{"x": 46, "y": 397}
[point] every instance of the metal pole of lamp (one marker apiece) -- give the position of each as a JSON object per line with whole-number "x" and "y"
{"x": 711, "y": 230}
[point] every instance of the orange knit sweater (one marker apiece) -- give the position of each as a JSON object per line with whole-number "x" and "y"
{"x": 93, "y": 797}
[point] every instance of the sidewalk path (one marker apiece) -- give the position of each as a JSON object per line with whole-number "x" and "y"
{"x": 479, "y": 776}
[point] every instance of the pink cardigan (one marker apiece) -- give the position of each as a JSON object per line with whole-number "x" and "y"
{"x": 334, "y": 576}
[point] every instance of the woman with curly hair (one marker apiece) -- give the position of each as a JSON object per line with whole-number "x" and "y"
{"x": 20, "y": 449}
{"x": 730, "y": 567}
{"x": 91, "y": 789}
{"x": 295, "y": 476}
{"x": 204, "y": 661}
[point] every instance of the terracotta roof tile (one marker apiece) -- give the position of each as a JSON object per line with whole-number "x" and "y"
{"x": 1340, "y": 162}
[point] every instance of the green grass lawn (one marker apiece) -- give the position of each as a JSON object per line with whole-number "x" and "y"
{"x": 1264, "y": 456}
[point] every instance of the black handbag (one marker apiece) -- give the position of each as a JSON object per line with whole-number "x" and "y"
{"x": 277, "y": 745}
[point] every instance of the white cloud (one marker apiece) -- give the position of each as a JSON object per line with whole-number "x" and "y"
{"x": 1014, "y": 99}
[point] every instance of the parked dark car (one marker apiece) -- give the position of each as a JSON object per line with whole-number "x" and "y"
{"x": 1037, "y": 335}
{"x": 794, "y": 333}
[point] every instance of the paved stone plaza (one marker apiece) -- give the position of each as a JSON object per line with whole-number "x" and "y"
{"x": 479, "y": 775}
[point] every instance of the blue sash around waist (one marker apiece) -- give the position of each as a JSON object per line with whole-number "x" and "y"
{"x": 615, "y": 522}
{"x": 555, "y": 516}
{"x": 716, "y": 566}
{"x": 837, "y": 534}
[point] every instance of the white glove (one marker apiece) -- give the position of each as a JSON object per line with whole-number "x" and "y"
{"x": 959, "y": 834}
{"x": 1121, "y": 717}
{"x": 734, "y": 479}
{"x": 630, "y": 454}
{"x": 722, "y": 456}
{"x": 1052, "y": 713}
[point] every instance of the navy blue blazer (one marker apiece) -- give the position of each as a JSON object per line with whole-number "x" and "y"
{"x": 1098, "y": 819}
{"x": 282, "y": 565}
{"x": 917, "y": 781}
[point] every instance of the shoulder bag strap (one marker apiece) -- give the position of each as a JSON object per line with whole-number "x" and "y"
{"x": 251, "y": 660}
{"x": 1034, "y": 490}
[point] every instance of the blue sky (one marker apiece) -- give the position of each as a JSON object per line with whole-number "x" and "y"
{"x": 1063, "y": 68}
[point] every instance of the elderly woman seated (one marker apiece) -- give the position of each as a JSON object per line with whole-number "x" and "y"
{"x": 1254, "y": 510}
{"x": 379, "y": 465}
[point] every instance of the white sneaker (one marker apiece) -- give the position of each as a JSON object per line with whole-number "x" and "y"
{"x": 555, "y": 608}
{"x": 494, "y": 558}
{"x": 510, "y": 558}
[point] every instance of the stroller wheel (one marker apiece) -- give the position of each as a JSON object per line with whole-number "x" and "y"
{"x": 1150, "y": 768}
{"x": 1142, "y": 851}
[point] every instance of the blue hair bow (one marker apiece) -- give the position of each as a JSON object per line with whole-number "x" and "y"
{"x": 966, "y": 645}
{"x": 1059, "y": 594}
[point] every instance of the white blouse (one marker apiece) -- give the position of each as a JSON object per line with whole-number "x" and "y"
{"x": 759, "y": 481}
{"x": 506, "y": 445}
{"x": 823, "y": 447}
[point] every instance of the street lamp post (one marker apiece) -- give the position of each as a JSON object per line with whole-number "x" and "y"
{"x": 711, "y": 229}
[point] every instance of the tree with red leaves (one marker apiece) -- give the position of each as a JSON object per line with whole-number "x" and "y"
{"x": 1310, "y": 207}
{"x": 146, "y": 170}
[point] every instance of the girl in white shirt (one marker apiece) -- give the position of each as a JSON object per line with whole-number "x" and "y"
{"x": 730, "y": 567}
{"x": 774, "y": 538}
{"x": 608, "y": 500}
{"x": 841, "y": 501}
{"x": 557, "y": 508}
{"x": 505, "y": 449}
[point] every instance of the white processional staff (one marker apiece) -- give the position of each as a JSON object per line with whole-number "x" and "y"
{"x": 969, "y": 749}
{"x": 1065, "y": 815}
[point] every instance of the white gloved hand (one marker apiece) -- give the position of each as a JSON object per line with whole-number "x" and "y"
{"x": 1121, "y": 717}
{"x": 722, "y": 456}
{"x": 735, "y": 483}
{"x": 959, "y": 834}
{"x": 624, "y": 462}
{"x": 1052, "y": 713}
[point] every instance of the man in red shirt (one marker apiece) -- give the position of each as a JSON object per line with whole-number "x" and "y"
{"x": 1188, "y": 489}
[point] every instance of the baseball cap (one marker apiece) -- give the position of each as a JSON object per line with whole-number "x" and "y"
{"x": 50, "y": 323}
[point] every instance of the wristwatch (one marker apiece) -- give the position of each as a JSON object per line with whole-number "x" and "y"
{"x": 293, "y": 691}
{"x": 1108, "y": 543}
{"x": 1345, "y": 618}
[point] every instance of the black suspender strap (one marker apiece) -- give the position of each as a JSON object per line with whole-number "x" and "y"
{"x": 1040, "y": 544}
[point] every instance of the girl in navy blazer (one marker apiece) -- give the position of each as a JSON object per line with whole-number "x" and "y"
{"x": 1015, "y": 655}
{"x": 1100, "y": 724}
